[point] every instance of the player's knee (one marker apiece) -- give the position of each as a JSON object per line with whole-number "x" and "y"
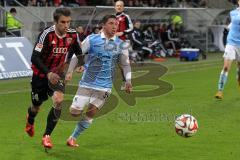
{"x": 57, "y": 106}
{"x": 57, "y": 98}
{"x": 35, "y": 108}
{"x": 92, "y": 110}
{"x": 75, "y": 112}
{"x": 36, "y": 102}
{"x": 225, "y": 68}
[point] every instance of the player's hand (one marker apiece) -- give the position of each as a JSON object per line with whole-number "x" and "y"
{"x": 53, "y": 78}
{"x": 68, "y": 77}
{"x": 119, "y": 34}
{"x": 79, "y": 69}
{"x": 128, "y": 87}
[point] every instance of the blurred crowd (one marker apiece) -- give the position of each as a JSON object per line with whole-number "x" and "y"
{"x": 131, "y": 3}
{"x": 159, "y": 40}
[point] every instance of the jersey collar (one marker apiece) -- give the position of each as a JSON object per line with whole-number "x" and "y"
{"x": 57, "y": 34}
{"x": 104, "y": 37}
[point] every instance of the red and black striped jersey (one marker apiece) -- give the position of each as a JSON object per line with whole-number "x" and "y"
{"x": 52, "y": 50}
{"x": 124, "y": 24}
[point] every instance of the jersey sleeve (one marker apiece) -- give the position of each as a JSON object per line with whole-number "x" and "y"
{"x": 37, "y": 55}
{"x": 129, "y": 25}
{"x": 75, "y": 49}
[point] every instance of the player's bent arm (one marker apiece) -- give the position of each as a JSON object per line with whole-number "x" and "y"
{"x": 77, "y": 59}
{"x": 229, "y": 26}
{"x": 37, "y": 61}
{"x": 130, "y": 25}
{"x": 73, "y": 64}
{"x": 85, "y": 45}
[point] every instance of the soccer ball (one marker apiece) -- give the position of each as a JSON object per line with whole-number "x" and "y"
{"x": 186, "y": 125}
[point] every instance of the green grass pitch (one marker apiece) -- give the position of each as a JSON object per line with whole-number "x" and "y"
{"x": 122, "y": 134}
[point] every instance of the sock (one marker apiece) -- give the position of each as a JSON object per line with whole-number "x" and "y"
{"x": 31, "y": 116}
{"x": 52, "y": 120}
{"x": 80, "y": 127}
{"x": 222, "y": 80}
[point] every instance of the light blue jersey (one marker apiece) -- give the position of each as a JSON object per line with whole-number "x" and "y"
{"x": 233, "y": 37}
{"x": 102, "y": 57}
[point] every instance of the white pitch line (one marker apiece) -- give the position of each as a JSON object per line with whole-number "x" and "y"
{"x": 191, "y": 70}
{"x": 14, "y": 91}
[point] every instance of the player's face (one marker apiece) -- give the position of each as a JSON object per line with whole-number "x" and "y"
{"x": 137, "y": 25}
{"x": 110, "y": 27}
{"x": 119, "y": 6}
{"x": 62, "y": 25}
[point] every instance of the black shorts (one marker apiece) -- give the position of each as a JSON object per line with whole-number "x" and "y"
{"x": 40, "y": 90}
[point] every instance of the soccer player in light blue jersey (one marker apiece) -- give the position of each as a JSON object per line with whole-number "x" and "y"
{"x": 105, "y": 50}
{"x": 232, "y": 51}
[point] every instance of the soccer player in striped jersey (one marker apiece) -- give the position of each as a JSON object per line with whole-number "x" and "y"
{"x": 104, "y": 52}
{"x": 125, "y": 25}
{"x": 54, "y": 47}
{"x": 232, "y": 51}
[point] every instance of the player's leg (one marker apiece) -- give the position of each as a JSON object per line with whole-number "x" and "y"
{"x": 238, "y": 72}
{"x": 32, "y": 113}
{"x": 123, "y": 79}
{"x": 238, "y": 64}
{"x": 224, "y": 74}
{"x": 229, "y": 56}
{"x": 82, "y": 125}
{"x": 80, "y": 100}
{"x": 97, "y": 100}
{"x": 147, "y": 50}
{"x": 53, "y": 117}
{"x": 38, "y": 96}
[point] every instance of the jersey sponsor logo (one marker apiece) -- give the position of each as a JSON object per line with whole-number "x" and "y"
{"x": 39, "y": 47}
{"x": 60, "y": 50}
{"x": 120, "y": 18}
{"x": 53, "y": 42}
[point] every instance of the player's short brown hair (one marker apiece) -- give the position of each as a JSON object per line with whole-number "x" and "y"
{"x": 61, "y": 12}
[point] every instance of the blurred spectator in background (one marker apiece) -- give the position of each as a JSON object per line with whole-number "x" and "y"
{"x": 138, "y": 3}
{"x": 125, "y": 25}
{"x": 109, "y": 2}
{"x": 95, "y": 30}
{"x": 81, "y": 2}
{"x": 13, "y": 25}
{"x": 80, "y": 31}
{"x": 131, "y": 3}
{"x": 138, "y": 42}
{"x": 57, "y": 3}
{"x": 172, "y": 39}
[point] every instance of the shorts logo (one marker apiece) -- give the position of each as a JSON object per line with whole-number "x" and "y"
{"x": 105, "y": 95}
{"x": 39, "y": 47}
{"x": 75, "y": 99}
{"x": 35, "y": 96}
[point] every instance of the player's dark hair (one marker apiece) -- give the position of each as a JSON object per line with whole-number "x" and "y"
{"x": 13, "y": 10}
{"x": 106, "y": 18}
{"x": 61, "y": 12}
